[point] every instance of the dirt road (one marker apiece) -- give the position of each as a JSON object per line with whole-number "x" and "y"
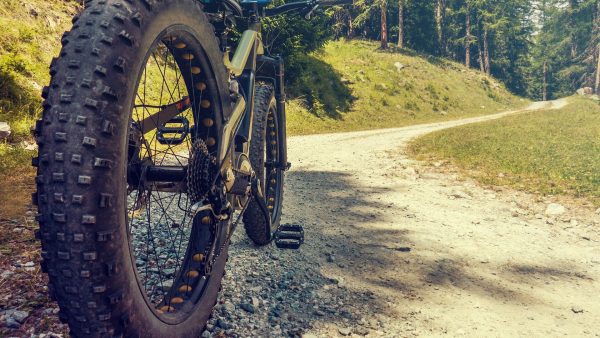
{"x": 396, "y": 250}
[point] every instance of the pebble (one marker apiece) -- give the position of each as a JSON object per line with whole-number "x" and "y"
{"x": 344, "y": 331}
{"x": 223, "y": 324}
{"x": 576, "y": 309}
{"x": 6, "y": 274}
{"x": 248, "y": 307}
{"x": 361, "y": 331}
{"x": 555, "y": 209}
{"x": 19, "y": 316}
{"x": 11, "y": 323}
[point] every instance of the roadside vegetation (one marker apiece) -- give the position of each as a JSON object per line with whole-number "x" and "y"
{"x": 30, "y": 34}
{"x": 546, "y": 152}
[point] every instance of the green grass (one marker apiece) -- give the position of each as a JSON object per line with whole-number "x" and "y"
{"x": 351, "y": 85}
{"x": 548, "y": 152}
{"x": 30, "y": 32}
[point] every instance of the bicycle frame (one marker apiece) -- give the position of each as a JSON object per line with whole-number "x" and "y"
{"x": 243, "y": 65}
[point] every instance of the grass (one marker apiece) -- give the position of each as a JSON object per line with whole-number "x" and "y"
{"x": 548, "y": 152}
{"x": 30, "y": 32}
{"x": 374, "y": 93}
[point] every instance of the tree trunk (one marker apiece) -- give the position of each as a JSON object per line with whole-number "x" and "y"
{"x": 480, "y": 55}
{"x": 468, "y": 38}
{"x": 440, "y": 18}
{"x": 400, "y": 23}
{"x": 545, "y": 84}
{"x": 480, "y": 59}
{"x": 350, "y": 26}
{"x": 486, "y": 53}
{"x": 573, "y": 5}
{"x": 598, "y": 73}
{"x": 384, "y": 32}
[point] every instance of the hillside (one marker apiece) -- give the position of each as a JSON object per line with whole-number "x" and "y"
{"x": 349, "y": 85}
{"x": 352, "y": 85}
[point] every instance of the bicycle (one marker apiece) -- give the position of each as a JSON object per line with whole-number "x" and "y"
{"x": 152, "y": 138}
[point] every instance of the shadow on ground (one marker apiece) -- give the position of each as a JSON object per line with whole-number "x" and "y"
{"x": 375, "y": 264}
{"x": 322, "y": 89}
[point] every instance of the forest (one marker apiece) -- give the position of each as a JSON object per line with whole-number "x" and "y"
{"x": 539, "y": 49}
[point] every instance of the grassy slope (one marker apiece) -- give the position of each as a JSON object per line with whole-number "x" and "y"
{"x": 427, "y": 89}
{"x": 30, "y": 32}
{"x": 550, "y": 152}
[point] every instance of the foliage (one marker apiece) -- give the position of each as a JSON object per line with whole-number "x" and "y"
{"x": 567, "y": 44}
{"x": 548, "y": 152}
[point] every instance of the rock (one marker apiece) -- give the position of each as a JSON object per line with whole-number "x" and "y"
{"x": 598, "y": 211}
{"x": 443, "y": 113}
{"x": 330, "y": 258}
{"x": 309, "y": 335}
{"x": 576, "y": 309}
{"x": 360, "y": 331}
{"x": 223, "y": 324}
{"x": 381, "y": 86}
{"x": 205, "y": 334}
{"x": 344, "y": 331}
{"x": 6, "y": 274}
{"x": 248, "y": 307}
{"x": 255, "y": 302}
{"x": 555, "y": 209}
{"x": 20, "y": 316}
{"x": 166, "y": 285}
{"x": 459, "y": 194}
{"x": 31, "y": 146}
{"x": 346, "y": 81}
{"x": 399, "y": 66}
{"x": 29, "y": 264}
{"x": 4, "y": 130}
{"x": 228, "y": 308}
{"x": 11, "y": 323}
{"x": 585, "y": 91}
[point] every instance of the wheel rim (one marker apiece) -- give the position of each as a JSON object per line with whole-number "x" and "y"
{"x": 272, "y": 175}
{"x": 167, "y": 250}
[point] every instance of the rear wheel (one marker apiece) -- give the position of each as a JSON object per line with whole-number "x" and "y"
{"x": 265, "y": 157}
{"x": 123, "y": 253}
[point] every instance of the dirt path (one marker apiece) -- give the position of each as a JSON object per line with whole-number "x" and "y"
{"x": 473, "y": 268}
{"x": 393, "y": 250}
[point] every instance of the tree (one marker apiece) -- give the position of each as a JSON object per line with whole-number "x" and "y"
{"x": 468, "y": 37}
{"x": 400, "y": 23}
{"x": 384, "y": 30}
{"x": 440, "y": 18}
{"x": 597, "y": 86}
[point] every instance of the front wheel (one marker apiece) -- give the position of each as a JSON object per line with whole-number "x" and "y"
{"x": 265, "y": 159}
{"x": 123, "y": 253}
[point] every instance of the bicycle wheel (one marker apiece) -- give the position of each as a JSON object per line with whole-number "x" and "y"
{"x": 123, "y": 253}
{"x": 264, "y": 156}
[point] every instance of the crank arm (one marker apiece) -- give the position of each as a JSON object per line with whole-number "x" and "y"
{"x": 260, "y": 200}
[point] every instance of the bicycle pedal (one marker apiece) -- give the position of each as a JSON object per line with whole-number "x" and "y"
{"x": 174, "y": 131}
{"x": 289, "y": 236}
